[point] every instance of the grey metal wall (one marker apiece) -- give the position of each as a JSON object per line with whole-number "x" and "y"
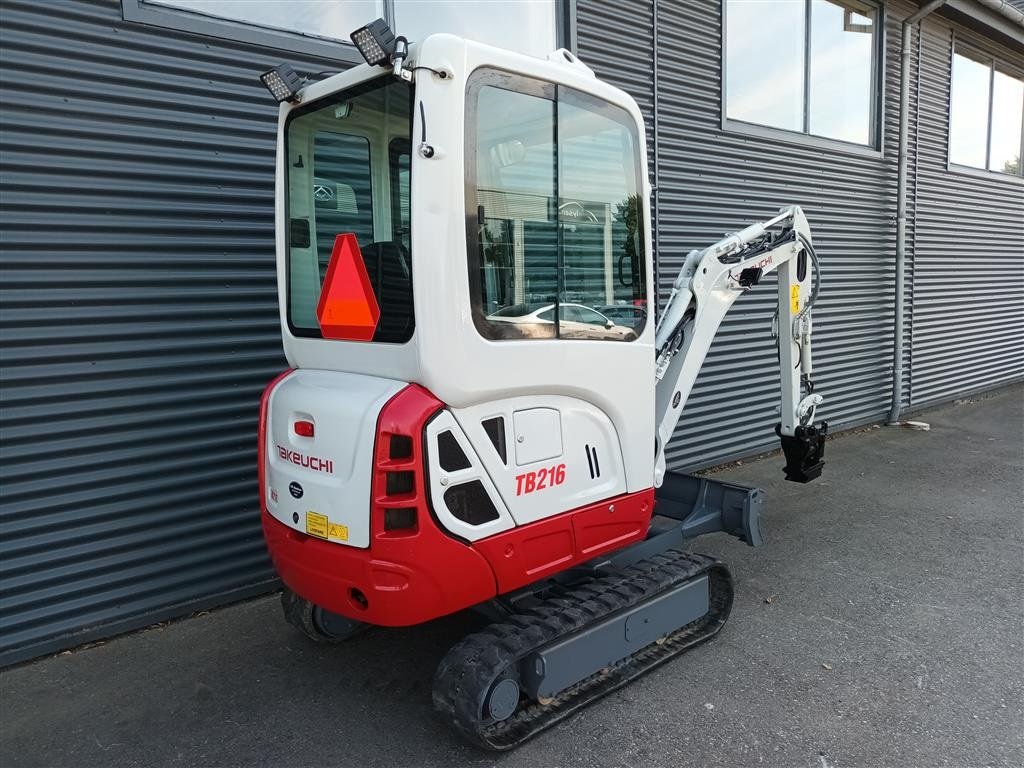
{"x": 139, "y": 321}
{"x": 139, "y": 318}
{"x": 713, "y": 181}
{"x": 968, "y": 253}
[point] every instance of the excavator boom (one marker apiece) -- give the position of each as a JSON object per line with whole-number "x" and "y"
{"x": 708, "y": 283}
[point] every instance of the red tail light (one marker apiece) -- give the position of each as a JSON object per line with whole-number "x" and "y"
{"x": 398, "y": 495}
{"x": 304, "y": 428}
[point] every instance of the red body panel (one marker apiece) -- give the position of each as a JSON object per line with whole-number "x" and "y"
{"x": 525, "y": 554}
{"x": 404, "y": 581}
{"x": 414, "y": 574}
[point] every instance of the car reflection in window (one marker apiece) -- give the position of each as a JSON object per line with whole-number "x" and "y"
{"x": 575, "y": 321}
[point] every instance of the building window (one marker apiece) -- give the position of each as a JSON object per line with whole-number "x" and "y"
{"x": 986, "y": 115}
{"x": 528, "y": 27}
{"x": 306, "y": 27}
{"x": 322, "y": 27}
{"x": 332, "y": 20}
{"x": 807, "y": 66}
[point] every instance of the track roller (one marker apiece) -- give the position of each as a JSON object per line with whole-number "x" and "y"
{"x": 503, "y": 685}
{"x": 317, "y": 624}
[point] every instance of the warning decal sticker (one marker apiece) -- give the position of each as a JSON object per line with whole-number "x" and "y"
{"x": 316, "y": 524}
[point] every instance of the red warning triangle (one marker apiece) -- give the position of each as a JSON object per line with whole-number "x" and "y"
{"x": 347, "y": 308}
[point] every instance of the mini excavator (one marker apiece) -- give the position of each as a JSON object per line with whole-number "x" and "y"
{"x": 480, "y": 395}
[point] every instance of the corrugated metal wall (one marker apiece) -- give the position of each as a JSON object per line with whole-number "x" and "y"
{"x": 968, "y": 300}
{"x": 139, "y": 321}
{"x": 714, "y": 181}
{"x": 139, "y": 318}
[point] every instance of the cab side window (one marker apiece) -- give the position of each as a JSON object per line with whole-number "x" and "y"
{"x": 554, "y": 215}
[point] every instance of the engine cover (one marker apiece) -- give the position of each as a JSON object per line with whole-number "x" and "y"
{"x": 320, "y": 484}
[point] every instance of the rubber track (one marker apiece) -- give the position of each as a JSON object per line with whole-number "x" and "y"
{"x": 470, "y": 669}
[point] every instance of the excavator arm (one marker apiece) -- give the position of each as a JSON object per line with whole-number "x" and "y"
{"x": 706, "y": 287}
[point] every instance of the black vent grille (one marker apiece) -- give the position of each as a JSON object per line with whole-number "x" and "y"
{"x": 495, "y": 429}
{"x": 470, "y": 503}
{"x": 400, "y": 447}
{"x": 400, "y": 519}
{"x": 399, "y": 483}
{"x": 450, "y": 455}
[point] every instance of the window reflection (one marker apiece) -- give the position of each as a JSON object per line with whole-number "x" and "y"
{"x": 765, "y": 62}
{"x": 1007, "y": 109}
{"x": 840, "y": 71}
{"x": 333, "y": 20}
{"x": 968, "y": 122}
{"x": 986, "y": 113}
{"x": 520, "y": 25}
{"x": 819, "y": 79}
{"x": 558, "y": 249}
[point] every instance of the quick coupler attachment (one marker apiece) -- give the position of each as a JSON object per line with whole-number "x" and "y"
{"x": 804, "y": 451}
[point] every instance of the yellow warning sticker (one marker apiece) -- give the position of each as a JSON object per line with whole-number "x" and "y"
{"x": 338, "y": 531}
{"x": 794, "y": 299}
{"x": 316, "y": 524}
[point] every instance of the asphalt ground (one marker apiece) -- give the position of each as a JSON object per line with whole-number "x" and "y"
{"x": 882, "y": 624}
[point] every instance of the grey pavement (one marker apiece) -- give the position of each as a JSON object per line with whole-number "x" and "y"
{"x": 881, "y": 625}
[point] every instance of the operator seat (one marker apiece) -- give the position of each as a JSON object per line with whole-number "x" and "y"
{"x": 389, "y": 267}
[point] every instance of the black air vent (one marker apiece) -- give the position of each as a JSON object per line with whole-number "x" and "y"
{"x": 450, "y": 456}
{"x": 495, "y": 429}
{"x": 470, "y": 503}
{"x": 592, "y": 463}
{"x": 400, "y": 519}
{"x": 398, "y": 483}
{"x": 400, "y": 447}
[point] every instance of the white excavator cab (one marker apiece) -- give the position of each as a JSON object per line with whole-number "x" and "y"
{"x": 480, "y": 397}
{"x": 491, "y": 222}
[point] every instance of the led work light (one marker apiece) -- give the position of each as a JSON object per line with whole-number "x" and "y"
{"x": 375, "y": 41}
{"x": 283, "y": 82}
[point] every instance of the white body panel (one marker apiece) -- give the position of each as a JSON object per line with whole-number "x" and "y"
{"x": 581, "y": 428}
{"x": 538, "y": 435}
{"x": 440, "y": 481}
{"x": 333, "y": 468}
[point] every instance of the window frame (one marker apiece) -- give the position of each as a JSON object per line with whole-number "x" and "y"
{"x": 875, "y": 148}
{"x": 396, "y": 148}
{"x": 994, "y": 62}
{"x": 493, "y": 76}
{"x": 193, "y": 22}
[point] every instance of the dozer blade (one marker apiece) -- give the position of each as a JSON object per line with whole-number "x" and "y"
{"x": 503, "y": 685}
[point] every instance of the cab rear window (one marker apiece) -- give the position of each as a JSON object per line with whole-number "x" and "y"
{"x": 347, "y": 173}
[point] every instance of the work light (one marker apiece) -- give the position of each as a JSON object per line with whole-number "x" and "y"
{"x": 283, "y": 82}
{"x": 375, "y": 41}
